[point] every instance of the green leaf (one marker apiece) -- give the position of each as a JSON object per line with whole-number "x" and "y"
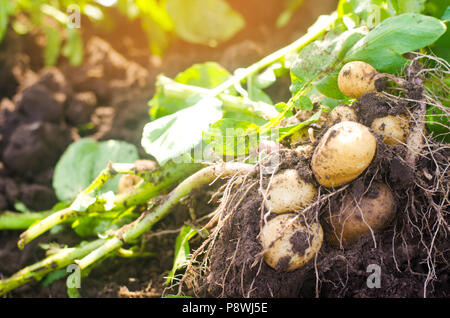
{"x": 207, "y": 22}
{"x": 384, "y": 45}
{"x": 438, "y": 124}
{"x": 53, "y": 276}
{"x": 174, "y": 135}
{"x": 205, "y": 75}
{"x": 182, "y": 251}
{"x": 230, "y": 137}
{"x": 83, "y": 160}
{"x": 289, "y": 130}
{"x": 6, "y": 9}
{"x": 53, "y": 47}
{"x": 73, "y": 49}
{"x": 321, "y": 58}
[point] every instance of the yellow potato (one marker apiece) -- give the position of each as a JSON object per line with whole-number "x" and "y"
{"x": 395, "y": 129}
{"x": 356, "y": 78}
{"x": 343, "y": 153}
{"x": 288, "y": 244}
{"x": 342, "y": 113}
{"x": 288, "y": 192}
{"x": 356, "y": 217}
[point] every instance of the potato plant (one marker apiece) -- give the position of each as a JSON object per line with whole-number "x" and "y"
{"x": 202, "y": 122}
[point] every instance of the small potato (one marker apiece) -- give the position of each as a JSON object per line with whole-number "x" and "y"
{"x": 289, "y": 192}
{"x": 395, "y": 129}
{"x": 352, "y": 220}
{"x": 289, "y": 244}
{"x": 343, "y": 153}
{"x": 356, "y": 78}
{"x": 342, "y": 113}
{"x": 127, "y": 182}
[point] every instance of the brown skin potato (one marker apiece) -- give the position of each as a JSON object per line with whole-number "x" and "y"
{"x": 351, "y": 220}
{"x": 343, "y": 153}
{"x": 288, "y": 192}
{"x": 288, "y": 244}
{"x": 395, "y": 129}
{"x": 356, "y": 78}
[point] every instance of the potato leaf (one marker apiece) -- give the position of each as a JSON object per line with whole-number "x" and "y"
{"x": 83, "y": 160}
{"x": 319, "y": 59}
{"x": 207, "y": 22}
{"x": 206, "y": 75}
{"x": 182, "y": 251}
{"x": 230, "y": 137}
{"x": 73, "y": 49}
{"x": 174, "y": 135}
{"x": 383, "y": 46}
{"x": 53, "y": 47}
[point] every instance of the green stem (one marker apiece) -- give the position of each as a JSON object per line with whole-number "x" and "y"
{"x": 230, "y": 102}
{"x": 162, "y": 179}
{"x": 130, "y": 232}
{"x": 317, "y": 30}
{"x": 54, "y": 262}
{"x": 20, "y": 221}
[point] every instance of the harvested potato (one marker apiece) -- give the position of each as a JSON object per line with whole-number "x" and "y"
{"x": 356, "y": 217}
{"x": 356, "y": 78}
{"x": 289, "y": 244}
{"x": 343, "y": 153}
{"x": 342, "y": 113}
{"x": 395, "y": 129}
{"x": 127, "y": 183}
{"x": 289, "y": 192}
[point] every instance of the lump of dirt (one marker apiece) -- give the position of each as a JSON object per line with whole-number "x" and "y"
{"x": 35, "y": 147}
{"x": 107, "y": 73}
{"x": 373, "y": 105}
{"x": 80, "y": 108}
{"x": 37, "y": 103}
{"x": 37, "y": 197}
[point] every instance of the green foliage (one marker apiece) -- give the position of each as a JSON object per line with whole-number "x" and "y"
{"x": 205, "y": 75}
{"x": 182, "y": 251}
{"x": 174, "y": 135}
{"x": 318, "y": 64}
{"x": 207, "y": 22}
{"x": 384, "y": 45}
{"x": 84, "y": 160}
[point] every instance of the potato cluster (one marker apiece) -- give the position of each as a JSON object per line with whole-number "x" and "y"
{"x": 343, "y": 153}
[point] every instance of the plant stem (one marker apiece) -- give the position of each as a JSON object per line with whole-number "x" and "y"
{"x": 230, "y": 102}
{"x": 132, "y": 231}
{"x": 54, "y": 262}
{"x": 20, "y": 221}
{"x": 314, "y": 32}
{"x": 162, "y": 179}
